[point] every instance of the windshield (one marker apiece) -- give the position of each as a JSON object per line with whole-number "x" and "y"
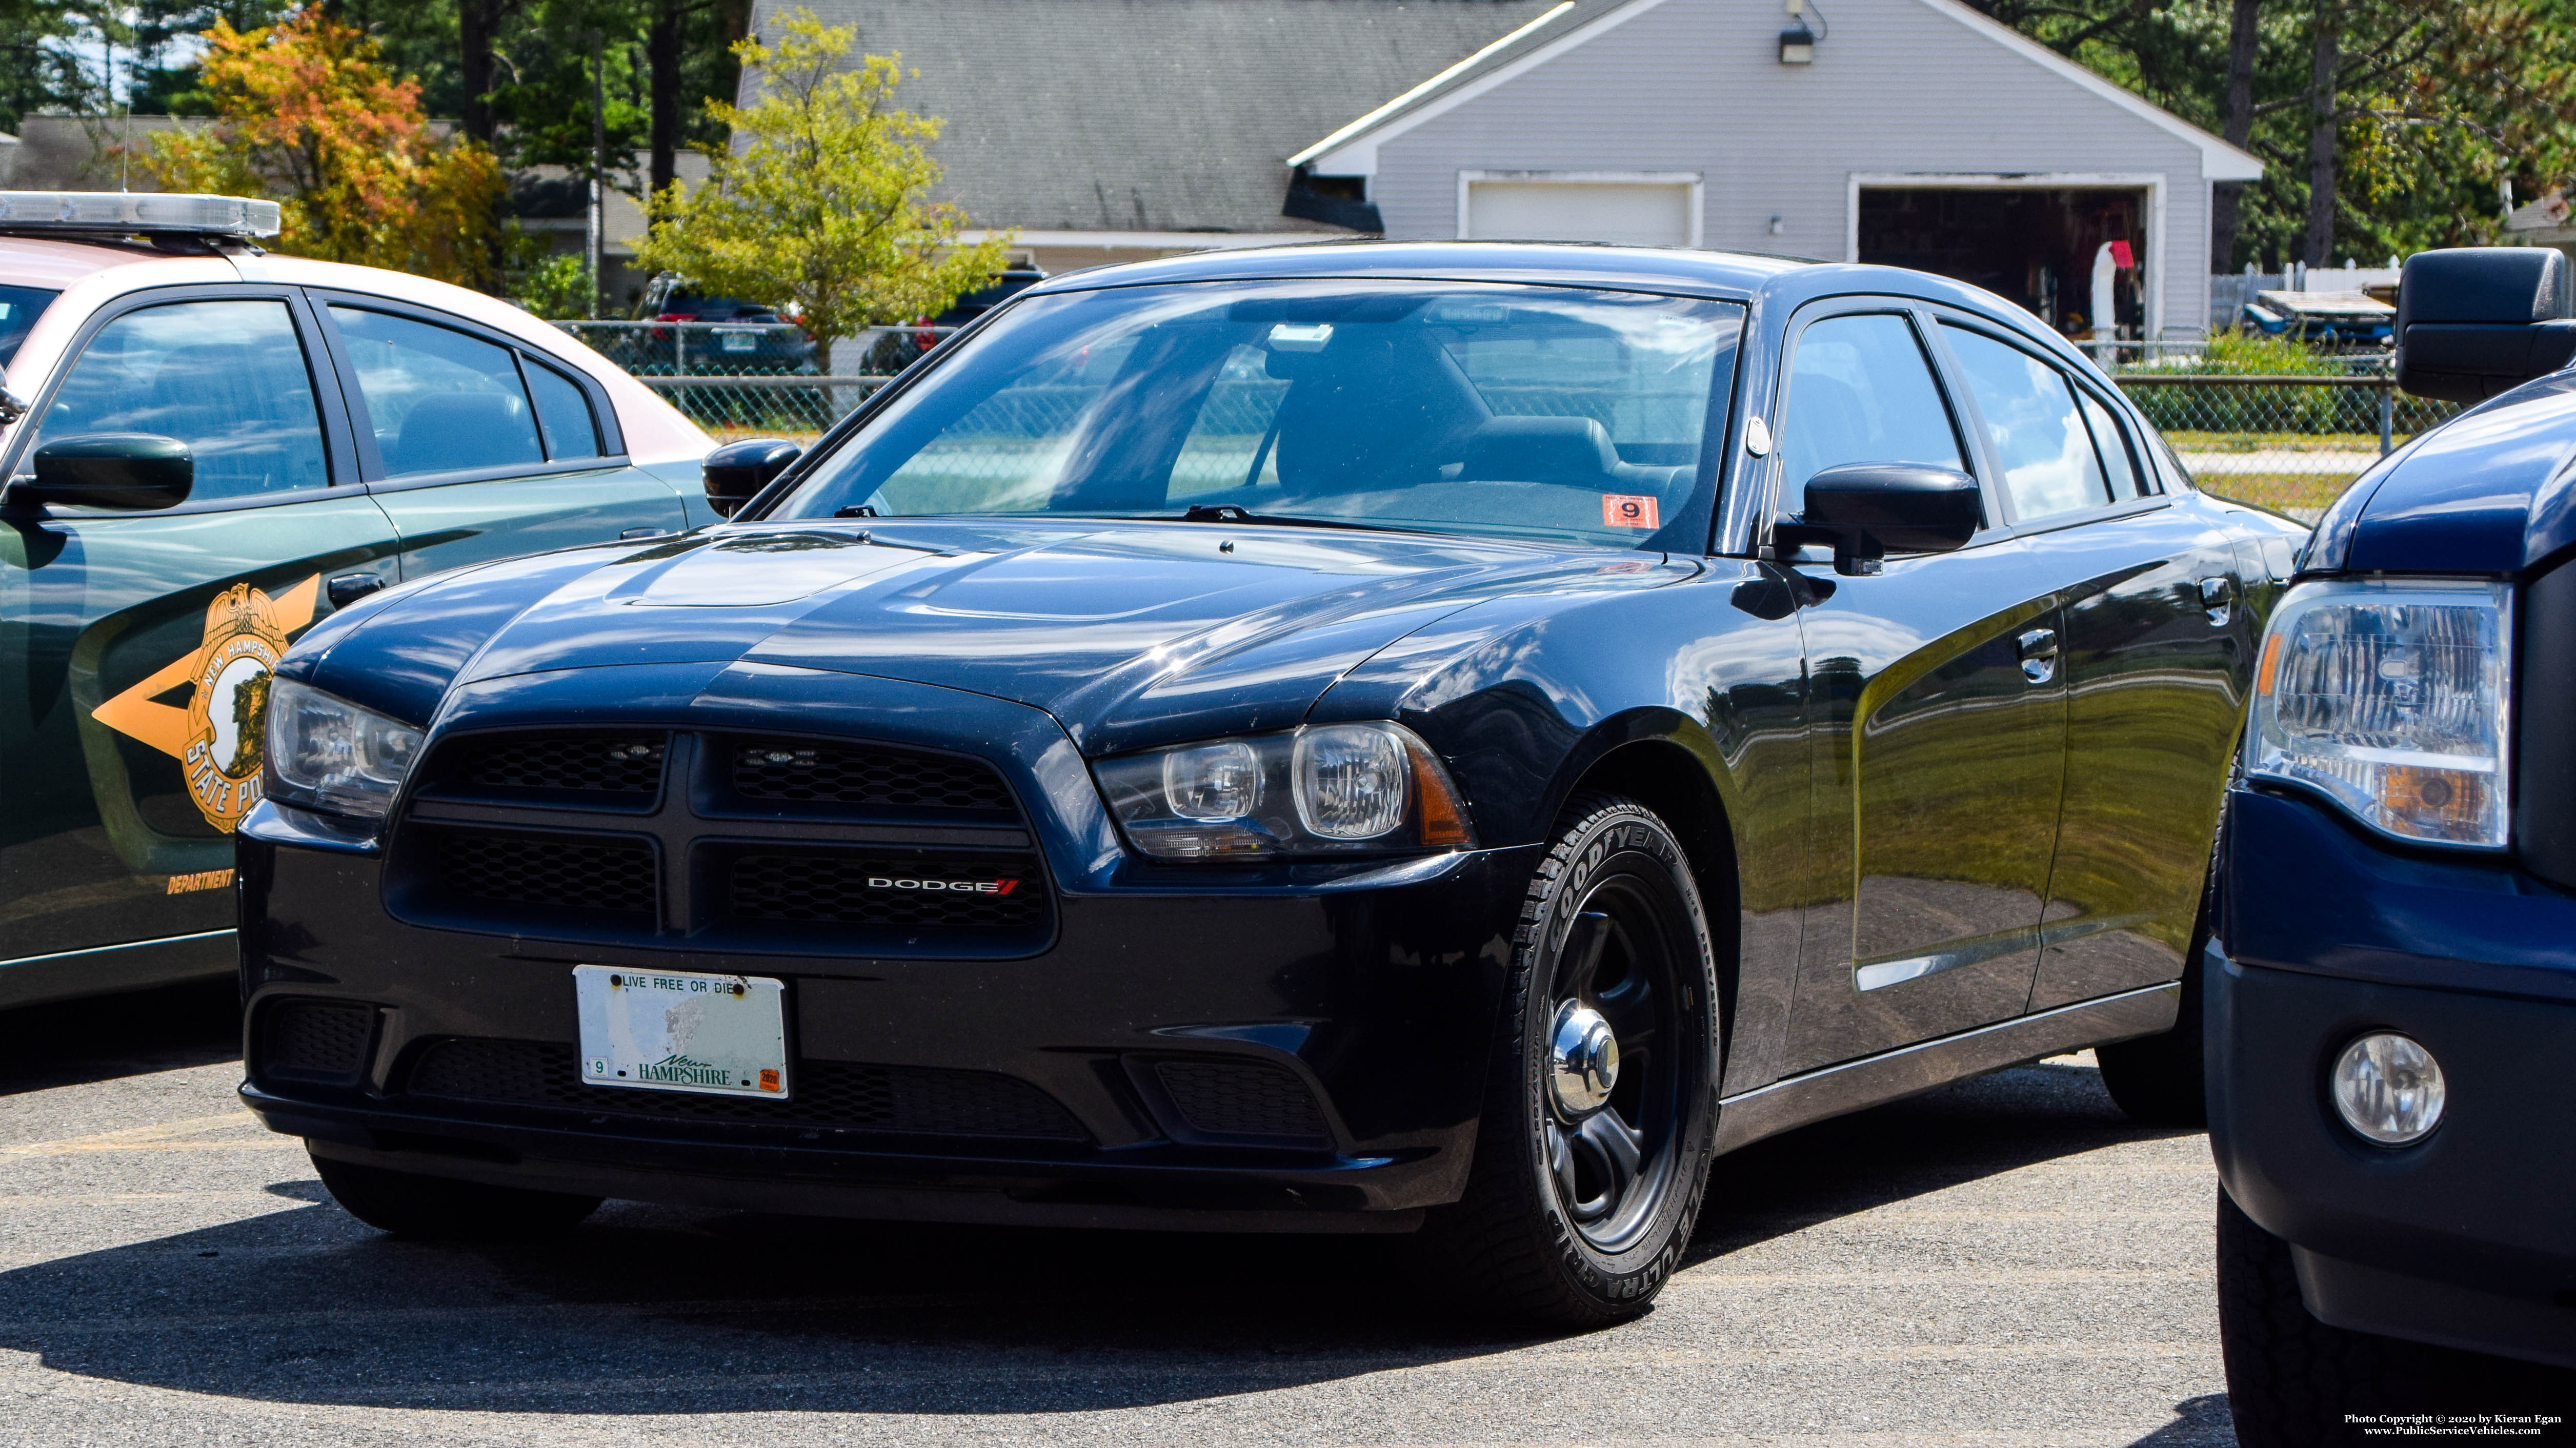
{"x": 1535, "y": 412}
{"x": 19, "y": 308}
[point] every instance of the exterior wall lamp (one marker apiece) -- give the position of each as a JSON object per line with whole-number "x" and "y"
{"x": 1797, "y": 41}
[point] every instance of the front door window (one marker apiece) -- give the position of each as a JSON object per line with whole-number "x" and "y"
{"x": 228, "y": 378}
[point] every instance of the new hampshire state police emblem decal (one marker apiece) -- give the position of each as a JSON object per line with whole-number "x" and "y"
{"x": 218, "y": 736}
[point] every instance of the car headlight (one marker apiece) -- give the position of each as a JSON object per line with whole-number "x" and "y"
{"x": 327, "y": 753}
{"x": 2390, "y": 698}
{"x": 1323, "y": 789}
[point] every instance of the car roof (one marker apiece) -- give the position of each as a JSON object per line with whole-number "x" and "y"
{"x": 1562, "y": 263}
{"x": 92, "y": 273}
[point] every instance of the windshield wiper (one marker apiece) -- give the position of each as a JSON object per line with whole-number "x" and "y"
{"x": 1229, "y": 513}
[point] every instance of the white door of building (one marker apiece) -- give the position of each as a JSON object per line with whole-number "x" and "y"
{"x": 1628, "y": 213}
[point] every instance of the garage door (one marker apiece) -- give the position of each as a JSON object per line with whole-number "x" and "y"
{"x": 1631, "y": 213}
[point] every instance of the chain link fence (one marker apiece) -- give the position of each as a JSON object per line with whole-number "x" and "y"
{"x": 2290, "y": 443}
{"x": 756, "y": 378}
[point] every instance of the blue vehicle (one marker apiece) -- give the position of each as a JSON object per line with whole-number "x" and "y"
{"x": 1427, "y": 739}
{"x": 2392, "y": 987}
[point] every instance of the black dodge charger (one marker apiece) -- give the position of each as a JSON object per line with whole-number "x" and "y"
{"x": 1439, "y": 739}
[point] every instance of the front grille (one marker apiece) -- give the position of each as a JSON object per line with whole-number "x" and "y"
{"x": 314, "y": 1040}
{"x": 599, "y": 766}
{"x": 951, "y": 889}
{"x": 826, "y": 1094}
{"x": 1241, "y": 1098}
{"x": 863, "y": 777}
{"x": 574, "y": 872}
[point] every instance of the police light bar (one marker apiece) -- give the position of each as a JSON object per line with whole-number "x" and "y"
{"x": 136, "y": 211}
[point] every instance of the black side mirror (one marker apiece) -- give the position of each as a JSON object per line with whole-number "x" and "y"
{"x": 135, "y": 470}
{"x": 2477, "y": 321}
{"x": 738, "y": 470}
{"x": 1869, "y": 510}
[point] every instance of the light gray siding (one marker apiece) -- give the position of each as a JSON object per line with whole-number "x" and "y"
{"x": 1898, "y": 86}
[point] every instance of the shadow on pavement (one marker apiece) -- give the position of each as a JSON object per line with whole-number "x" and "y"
{"x": 71, "y": 1042}
{"x": 2197, "y": 1421}
{"x": 660, "y": 1310}
{"x": 1960, "y": 1133}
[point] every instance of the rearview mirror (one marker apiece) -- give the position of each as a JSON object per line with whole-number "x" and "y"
{"x": 1869, "y": 510}
{"x": 2477, "y": 321}
{"x": 738, "y": 470}
{"x": 131, "y": 470}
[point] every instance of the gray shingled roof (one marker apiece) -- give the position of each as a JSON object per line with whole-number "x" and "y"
{"x": 1153, "y": 115}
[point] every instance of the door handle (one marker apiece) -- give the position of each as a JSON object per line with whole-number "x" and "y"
{"x": 634, "y": 533}
{"x": 348, "y": 588}
{"x": 2218, "y": 598}
{"x": 2039, "y": 655}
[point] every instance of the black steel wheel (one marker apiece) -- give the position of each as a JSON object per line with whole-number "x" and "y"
{"x": 1601, "y": 1109}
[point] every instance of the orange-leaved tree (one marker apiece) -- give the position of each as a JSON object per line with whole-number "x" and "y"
{"x": 307, "y": 112}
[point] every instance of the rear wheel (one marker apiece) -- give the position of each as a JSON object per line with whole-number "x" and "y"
{"x": 2294, "y": 1382}
{"x": 410, "y": 1204}
{"x": 1600, "y": 1110}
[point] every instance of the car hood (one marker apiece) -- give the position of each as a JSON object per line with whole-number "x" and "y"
{"x": 2491, "y": 491}
{"x": 1130, "y": 634}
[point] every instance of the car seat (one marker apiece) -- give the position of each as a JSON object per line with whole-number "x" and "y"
{"x": 448, "y": 431}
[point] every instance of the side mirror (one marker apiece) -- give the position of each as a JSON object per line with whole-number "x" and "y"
{"x": 738, "y": 470}
{"x": 1869, "y": 510}
{"x": 133, "y": 470}
{"x": 2477, "y": 321}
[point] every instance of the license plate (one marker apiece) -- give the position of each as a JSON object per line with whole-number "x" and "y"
{"x": 661, "y": 1030}
{"x": 738, "y": 341}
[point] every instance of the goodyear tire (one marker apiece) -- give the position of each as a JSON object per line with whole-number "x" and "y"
{"x": 1587, "y": 1181}
{"x": 2295, "y": 1382}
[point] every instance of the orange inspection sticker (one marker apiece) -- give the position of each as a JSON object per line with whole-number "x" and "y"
{"x": 1621, "y": 510}
{"x": 768, "y": 1079}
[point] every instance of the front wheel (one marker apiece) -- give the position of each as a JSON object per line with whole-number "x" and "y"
{"x": 1600, "y": 1112}
{"x": 2294, "y": 1382}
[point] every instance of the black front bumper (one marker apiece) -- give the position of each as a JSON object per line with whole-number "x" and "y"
{"x": 1372, "y": 998}
{"x": 2467, "y": 1238}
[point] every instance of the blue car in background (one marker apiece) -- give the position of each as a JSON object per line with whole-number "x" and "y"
{"x": 2392, "y": 978}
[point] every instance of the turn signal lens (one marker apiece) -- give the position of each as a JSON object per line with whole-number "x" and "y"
{"x": 1321, "y": 790}
{"x": 2388, "y": 1089}
{"x": 2391, "y": 699}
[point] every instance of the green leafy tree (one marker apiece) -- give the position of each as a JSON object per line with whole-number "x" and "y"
{"x": 2385, "y": 126}
{"x": 820, "y": 203}
{"x": 308, "y": 112}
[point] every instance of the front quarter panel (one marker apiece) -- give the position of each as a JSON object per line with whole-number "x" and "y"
{"x": 1525, "y": 697}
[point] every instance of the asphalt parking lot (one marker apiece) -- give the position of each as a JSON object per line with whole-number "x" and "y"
{"x": 2003, "y": 1262}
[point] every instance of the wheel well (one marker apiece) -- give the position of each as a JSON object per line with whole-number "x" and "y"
{"x": 1671, "y": 781}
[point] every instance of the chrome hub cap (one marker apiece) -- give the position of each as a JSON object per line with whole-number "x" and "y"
{"x": 1583, "y": 1061}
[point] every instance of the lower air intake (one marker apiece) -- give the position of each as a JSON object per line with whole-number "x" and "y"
{"x": 834, "y": 1095}
{"x": 318, "y": 1041}
{"x": 1241, "y": 1098}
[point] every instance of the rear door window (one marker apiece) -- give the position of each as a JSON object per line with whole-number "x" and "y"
{"x": 2120, "y": 465}
{"x": 439, "y": 401}
{"x": 2038, "y": 434}
{"x": 563, "y": 414}
{"x": 228, "y": 378}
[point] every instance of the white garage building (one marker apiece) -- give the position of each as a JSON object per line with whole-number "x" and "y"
{"x": 1916, "y": 132}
